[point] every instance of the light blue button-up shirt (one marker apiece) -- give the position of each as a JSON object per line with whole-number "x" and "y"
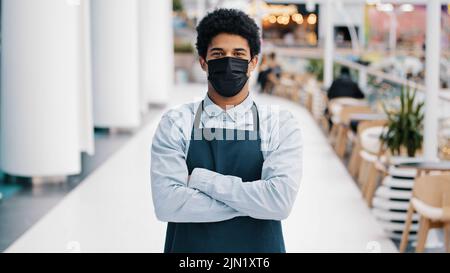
{"x": 207, "y": 196}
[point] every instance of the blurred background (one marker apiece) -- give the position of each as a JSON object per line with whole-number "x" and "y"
{"x": 85, "y": 82}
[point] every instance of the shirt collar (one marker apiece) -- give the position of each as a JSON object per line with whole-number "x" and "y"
{"x": 238, "y": 111}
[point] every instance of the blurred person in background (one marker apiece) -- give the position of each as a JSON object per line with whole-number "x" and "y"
{"x": 271, "y": 74}
{"x": 262, "y": 72}
{"x": 344, "y": 86}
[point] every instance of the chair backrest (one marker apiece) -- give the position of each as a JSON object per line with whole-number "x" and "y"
{"x": 363, "y": 125}
{"x": 433, "y": 190}
{"x": 347, "y": 111}
{"x": 349, "y": 101}
{"x": 335, "y": 105}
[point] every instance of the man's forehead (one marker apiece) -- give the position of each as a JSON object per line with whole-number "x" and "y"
{"x": 228, "y": 42}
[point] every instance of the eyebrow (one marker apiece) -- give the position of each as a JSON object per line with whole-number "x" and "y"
{"x": 221, "y": 49}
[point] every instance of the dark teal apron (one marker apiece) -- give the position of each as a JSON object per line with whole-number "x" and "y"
{"x": 239, "y": 156}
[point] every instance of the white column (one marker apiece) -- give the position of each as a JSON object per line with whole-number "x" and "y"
{"x": 115, "y": 63}
{"x": 145, "y": 47}
{"x": 432, "y": 79}
{"x": 258, "y": 16}
{"x": 40, "y": 86}
{"x": 362, "y": 80}
{"x": 86, "y": 118}
{"x": 328, "y": 54}
{"x": 393, "y": 24}
{"x": 362, "y": 28}
{"x": 156, "y": 51}
{"x": 201, "y": 9}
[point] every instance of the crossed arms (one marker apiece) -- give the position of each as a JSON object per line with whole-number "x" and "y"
{"x": 208, "y": 196}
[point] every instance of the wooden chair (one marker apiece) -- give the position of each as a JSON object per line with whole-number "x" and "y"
{"x": 309, "y": 101}
{"x": 324, "y": 123}
{"x": 431, "y": 200}
{"x": 374, "y": 175}
{"x": 355, "y": 158}
{"x": 335, "y": 107}
{"x": 343, "y": 126}
{"x": 370, "y": 154}
{"x": 312, "y": 96}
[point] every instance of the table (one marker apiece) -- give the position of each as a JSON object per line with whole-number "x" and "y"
{"x": 355, "y": 119}
{"x": 425, "y": 167}
{"x": 368, "y": 116}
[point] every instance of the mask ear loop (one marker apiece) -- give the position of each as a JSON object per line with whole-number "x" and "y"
{"x": 248, "y": 73}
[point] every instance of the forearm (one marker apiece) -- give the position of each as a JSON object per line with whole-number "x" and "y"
{"x": 173, "y": 200}
{"x": 262, "y": 199}
{"x": 182, "y": 204}
{"x": 271, "y": 197}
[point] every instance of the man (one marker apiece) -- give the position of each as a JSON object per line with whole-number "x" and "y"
{"x": 270, "y": 77}
{"x": 344, "y": 86}
{"x": 225, "y": 173}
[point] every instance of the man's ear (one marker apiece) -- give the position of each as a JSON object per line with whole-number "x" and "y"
{"x": 253, "y": 63}
{"x": 203, "y": 63}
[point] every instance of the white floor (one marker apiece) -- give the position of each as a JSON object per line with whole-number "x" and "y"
{"x": 111, "y": 211}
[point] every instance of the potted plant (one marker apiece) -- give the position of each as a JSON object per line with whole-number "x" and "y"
{"x": 315, "y": 67}
{"x": 404, "y": 130}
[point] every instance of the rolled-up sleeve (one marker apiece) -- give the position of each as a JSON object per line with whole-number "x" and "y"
{"x": 273, "y": 196}
{"x": 173, "y": 200}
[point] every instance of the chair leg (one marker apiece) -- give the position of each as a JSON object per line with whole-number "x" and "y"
{"x": 310, "y": 103}
{"x": 362, "y": 174}
{"x": 324, "y": 124}
{"x": 338, "y": 137}
{"x": 406, "y": 229}
{"x": 353, "y": 164}
{"x": 447, "y": 237}
{"x": 333, "y": 132}
{"x": 371, "y": 184}
{"x": 422, "y": 234}
{"x": 341, "y": 141}
{"x": 364, "y": 177}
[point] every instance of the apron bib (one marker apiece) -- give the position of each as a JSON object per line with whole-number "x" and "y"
{"x": 228, "y": 152}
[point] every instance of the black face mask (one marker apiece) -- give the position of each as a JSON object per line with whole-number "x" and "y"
{"x": 228, "y": 75}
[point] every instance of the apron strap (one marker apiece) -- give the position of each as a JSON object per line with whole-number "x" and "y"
{"x": 255, "y": 115}
{"x": 199, "y": 112}
{"x": 198, "y": 116}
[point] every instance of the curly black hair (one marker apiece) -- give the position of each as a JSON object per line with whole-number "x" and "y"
{"x": 230, "y": 21}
